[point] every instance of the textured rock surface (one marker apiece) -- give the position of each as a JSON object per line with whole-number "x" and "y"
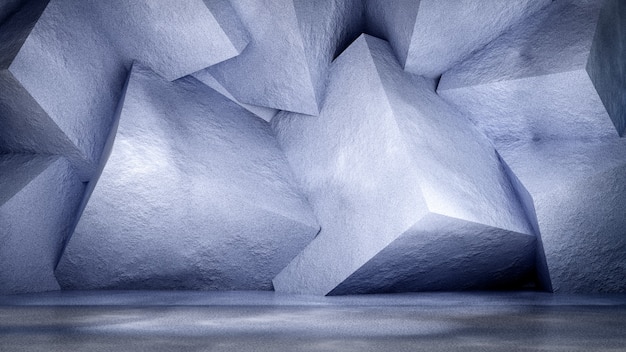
{"x": 62, "y": 72}
{"x": 327, "y": 28}
{"x": 607, "y": 61}
{"x": 443, "y": 253}
{"x": 430, "y": 36}
{"x": 205, "y": 77}
{"x": 174, "y": 39}
{"x": 393, "y": 21}
{"x": 196, "y": 194}
{"x": 8, "y": 7}
{"x": 39, "y": 197}
{"x": 380, "y": 161}
{"x": 533, "y": 82}
{"x": 579, "y": 189}
{"x": 52, "y": 103}
{"x": 293, "y": 42}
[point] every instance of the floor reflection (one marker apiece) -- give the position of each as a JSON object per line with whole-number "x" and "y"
{"x": 495, "y": 323}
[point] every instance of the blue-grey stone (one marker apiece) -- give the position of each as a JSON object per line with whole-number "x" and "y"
{"x": 205, "y": 77}
{"x": 534, "y": 81}
{"x": 430, "y": 36}
{"x": 579, "y": 192}
{"x": 391, "y": 188}
{"x": 196, "y": 194}
{"x": 62, "y": 68}
{"x": 292, "y": 44}
{"x": 8, "y": 7}
{"x": 174, "y": 39}
{"x": 39, "y": 197}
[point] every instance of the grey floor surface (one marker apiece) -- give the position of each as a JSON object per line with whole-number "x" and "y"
{"x": 264, "y": 321}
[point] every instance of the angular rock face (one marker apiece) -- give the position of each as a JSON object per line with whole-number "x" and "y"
{"x": 62, "y": 67}
{"x": 391, "y": 190}
{"x": 579, "y": 194}
{"x": 293, "y": 42}
{"x": 39, "y": 197}
{"x": 205, "y": 77}
{"x": 548, "y": 77}
{"x": 408, "y": 188}
{"x": 550, "y": 93}
{"x": 430, "y": 36}
{"x": 607, "y": 61}
{"x": 196, "y": 194}
{"x": 174, "y": 39}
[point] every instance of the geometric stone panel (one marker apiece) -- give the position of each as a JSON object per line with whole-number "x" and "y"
{"x": 63, "y": 66}
{"x": 537, "y": 80}
{"x": 381, "y": 166}
{"x": 579, "y": 192}
{"x": 39, "y": 198}
{"x": 430, "y": 36}
{"x": 196, "y": 194}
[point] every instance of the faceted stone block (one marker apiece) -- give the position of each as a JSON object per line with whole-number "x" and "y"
{"x": 63, "y": 66}
{"x": 579, "y": 192}
{"x": 430, "y": 36}
{"x": 391, "y": 188}
{"x": 196, "y": 194}
{"x": 39, "y": 197}
{"x": 545, "y": 78}
{"x": 292, "y": 43}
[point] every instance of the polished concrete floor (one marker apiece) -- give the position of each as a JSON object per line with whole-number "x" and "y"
{"x": 257, "y": 321}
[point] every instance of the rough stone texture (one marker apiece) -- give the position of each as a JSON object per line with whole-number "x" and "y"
{"x": 292, "y": 44}
{"x": 327, "y": 28}
{"x": 443, "y": 253}
{"x": 430, "y": 36}
{"x": 607, "y": 61}
{"x": 205, "y": 77}
{"x": 196, "y": 194}
{"x": 579, "y": 192}
{"x": 380, "y": 161}
{"x": 174, "y": 39}
{"x": 8, "y": 7}
{"x": 39, "y": 197}
{"x": 533, "y": 82}
{"x": 393, "y": 21}
{"x": 62, "y": 71}
{"x": 550, "y": 93}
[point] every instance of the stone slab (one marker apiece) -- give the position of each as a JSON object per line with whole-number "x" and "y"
{"x": 196, "y": 194}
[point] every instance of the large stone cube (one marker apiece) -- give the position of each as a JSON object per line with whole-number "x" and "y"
{"x": 392, "y": 187}
{"x": 196, "y": 194}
